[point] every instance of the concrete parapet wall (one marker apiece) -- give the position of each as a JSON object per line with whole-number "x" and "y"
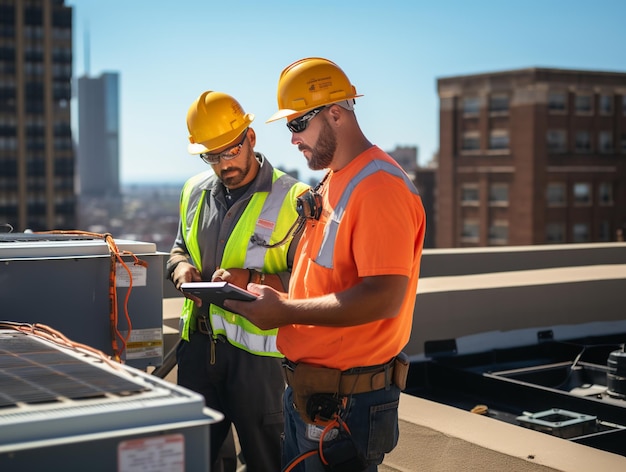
{"x": 456, "y": 306}
{"x": 469, "y": 261}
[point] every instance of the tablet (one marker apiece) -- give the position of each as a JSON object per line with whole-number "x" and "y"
{"x": 216, "y": 292}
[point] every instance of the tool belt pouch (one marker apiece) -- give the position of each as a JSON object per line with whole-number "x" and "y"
{"x": 401, "y": 370}
{"x": 309, "y": 380}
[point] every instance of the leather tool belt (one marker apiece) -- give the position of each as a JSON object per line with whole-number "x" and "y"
{"x": 307, "y": 380}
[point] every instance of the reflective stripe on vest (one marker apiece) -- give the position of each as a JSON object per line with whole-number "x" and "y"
{"x": 325, "y": 254}
{"x": 266, "y": 222}
{"x": 185, "y": 210}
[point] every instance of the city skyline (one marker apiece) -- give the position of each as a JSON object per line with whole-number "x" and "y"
{"x": 167, "y": 55}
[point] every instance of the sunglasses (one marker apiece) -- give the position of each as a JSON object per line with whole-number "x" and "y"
{"x": 227, "y": 155}
{"x": 298, "y": 125}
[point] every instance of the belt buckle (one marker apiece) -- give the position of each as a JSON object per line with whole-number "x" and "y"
{"x": 203, "y": 325}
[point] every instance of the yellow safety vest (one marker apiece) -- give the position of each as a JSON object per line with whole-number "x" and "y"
{"x": 267, "y": 217}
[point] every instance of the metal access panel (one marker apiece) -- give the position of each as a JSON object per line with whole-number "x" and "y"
{"x": 62, "y": 281}
{"x": 66, "y": 408}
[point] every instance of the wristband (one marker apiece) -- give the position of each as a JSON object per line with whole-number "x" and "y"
{"x": 261, "y": 276}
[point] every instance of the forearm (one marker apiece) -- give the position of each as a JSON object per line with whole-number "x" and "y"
{"x": 373, "y": 299}
{"x": 177, "y": 255}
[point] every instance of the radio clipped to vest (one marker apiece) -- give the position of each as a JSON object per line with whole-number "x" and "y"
{"x": 308, "y": 206}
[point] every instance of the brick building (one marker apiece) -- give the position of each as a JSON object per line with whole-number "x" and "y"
{"x": 531, "y": 156}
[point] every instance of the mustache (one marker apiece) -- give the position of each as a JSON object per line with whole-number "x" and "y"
{"x": 303, "y": 147}
{"x": 230, "y": 169}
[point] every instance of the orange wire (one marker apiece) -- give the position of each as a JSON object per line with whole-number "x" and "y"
{"x": 300, "y": 459}
{"x": 116, "y": 256}
{"x": 336, "y": 421}
{"x": 52, "y": 335}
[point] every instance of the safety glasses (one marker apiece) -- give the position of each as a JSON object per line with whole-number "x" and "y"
{"x": 298, "y": 125}
{"x": 227, "y": 155}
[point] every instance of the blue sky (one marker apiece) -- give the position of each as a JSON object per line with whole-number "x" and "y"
{"x": 167, "y": 53}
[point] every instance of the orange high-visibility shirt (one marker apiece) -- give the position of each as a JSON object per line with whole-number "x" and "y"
{"x": 381, "y": 233}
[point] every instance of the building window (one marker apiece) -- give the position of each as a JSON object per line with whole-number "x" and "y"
{"x": 556, "y": 140}
{"x": 556, "y": 195}
{"x": 583, "y": 142}
{"x": 580, "y": 233}
{"x": 606, "y": 104}
{"x": 584, "y": 104}
{"x": 499, "y": 139}
{"x": 470, "y": 231}
{"x": 582, "y": 194}
{"x": 469, "y": 194}
{"x": 604, "y": 231}
{"x": 605, "y": 141}
{"x": 499, "y": 232}
{"x": 499, "y": 104}
{"x": 499, "y": 194}
{"x": 624, "y": 104}
{"x": 605, "y": 194}
{"x": 471, "y": 141}
{"x": 623, "y": 143}
{"x": 555, "y": 233}
{"x": 557, "y": 102}
{"x": 471, "y": 106}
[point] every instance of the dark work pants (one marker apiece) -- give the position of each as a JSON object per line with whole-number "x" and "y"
{"x": 247, "y": 389}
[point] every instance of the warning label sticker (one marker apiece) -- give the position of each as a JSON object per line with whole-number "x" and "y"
{"x": 138, "y": 273}
{"x": 144, "y": 343}
{"x": 155, "y": 454}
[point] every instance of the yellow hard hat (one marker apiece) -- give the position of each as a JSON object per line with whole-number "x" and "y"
{"x": 310, "y": 83}
{"x": 215, "y": 120}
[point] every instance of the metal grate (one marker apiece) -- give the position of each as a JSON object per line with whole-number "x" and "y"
{"x": 32, "y": 372}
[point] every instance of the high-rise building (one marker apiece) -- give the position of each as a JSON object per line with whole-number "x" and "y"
{"x": 531, "y": 156}
{"x": 98, "y": 136}
{"x": 36, "y": 150}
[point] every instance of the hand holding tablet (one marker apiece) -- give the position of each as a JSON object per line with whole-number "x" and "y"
{"x": 216, "y": 292}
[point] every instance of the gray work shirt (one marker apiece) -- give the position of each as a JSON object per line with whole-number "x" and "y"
{"x": 217, "y": 220}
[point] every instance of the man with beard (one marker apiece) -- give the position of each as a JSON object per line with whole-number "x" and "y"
{"x": 236, "y": 223}
{"x": 349, "y": 310}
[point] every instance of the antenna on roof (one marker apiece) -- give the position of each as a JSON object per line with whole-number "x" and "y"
{"x": 86, "y": 50}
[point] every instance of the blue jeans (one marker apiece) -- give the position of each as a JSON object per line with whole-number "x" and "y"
{"x": 371, "y": 417}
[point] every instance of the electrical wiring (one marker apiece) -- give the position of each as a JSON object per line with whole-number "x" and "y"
{"x": 118, "y": 341}
{"x": 305, "y": 455}
{"x": 50, "y": 334}
{"x": 336, "y": 422}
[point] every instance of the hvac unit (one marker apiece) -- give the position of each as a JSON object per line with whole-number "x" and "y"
{"x": 68, "y": 408}
{"x": 65, "y": 281}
